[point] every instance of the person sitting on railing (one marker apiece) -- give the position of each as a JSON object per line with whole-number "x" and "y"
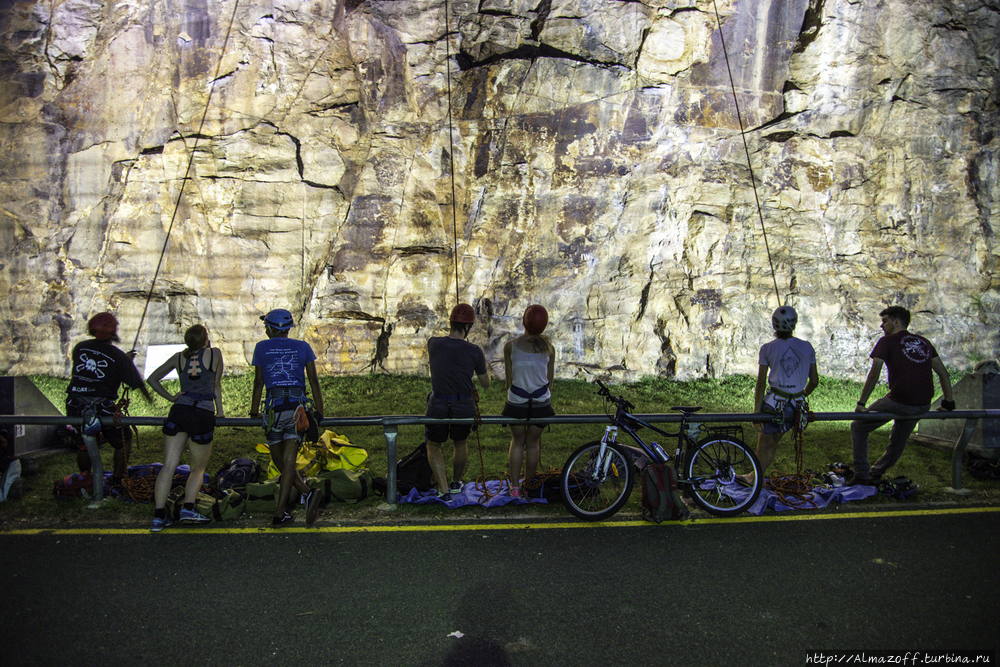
{"x": 912, "y": 362}
{"x": 453, "y": 361}
{"x": 529, "y": 365}
{"x": 786, "y": 375}
{"x": 191, "y": 421}
{"x": 98, "y": 370}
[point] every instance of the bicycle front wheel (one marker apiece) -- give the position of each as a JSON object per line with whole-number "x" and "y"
{"x": 594, "y": 487}
{"x": 724, "y": 475}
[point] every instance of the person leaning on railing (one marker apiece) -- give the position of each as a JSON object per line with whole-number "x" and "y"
{"x": 912, "y": 362}
{"x": 191, "y": 421}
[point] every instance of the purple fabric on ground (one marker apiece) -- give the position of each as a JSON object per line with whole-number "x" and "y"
{"x": 470, "y": 495}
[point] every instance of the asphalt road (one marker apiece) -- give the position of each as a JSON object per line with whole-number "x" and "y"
{"x": 747, "y": 592}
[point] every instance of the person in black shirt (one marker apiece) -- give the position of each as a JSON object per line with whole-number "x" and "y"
{"x": 99, "y": 369}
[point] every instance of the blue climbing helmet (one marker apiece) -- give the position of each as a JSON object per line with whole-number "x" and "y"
{"x": 278, "y": 319}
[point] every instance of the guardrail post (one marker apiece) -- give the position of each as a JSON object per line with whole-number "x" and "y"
{"x": 391, "y": 430}
{"x": 956, "y": 458}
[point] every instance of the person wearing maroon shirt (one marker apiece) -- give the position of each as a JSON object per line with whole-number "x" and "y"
{"x": 912, "y": 362}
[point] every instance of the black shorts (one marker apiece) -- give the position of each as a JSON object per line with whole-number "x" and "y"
{"x": 528, "y": 410}
{"x": 438, "y": 409}
{"x": 197, "y": 423}
{"x": 116, "y": 436}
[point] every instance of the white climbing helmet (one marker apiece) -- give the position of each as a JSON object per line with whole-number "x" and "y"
{"x": 784, "y": 319}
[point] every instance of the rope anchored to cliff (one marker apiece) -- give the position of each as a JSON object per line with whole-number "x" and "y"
{"x": 187, "y": 173}
{"x": 746, "y": 149}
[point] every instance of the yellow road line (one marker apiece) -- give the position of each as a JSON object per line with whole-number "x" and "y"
{"x": 715, "y": 521}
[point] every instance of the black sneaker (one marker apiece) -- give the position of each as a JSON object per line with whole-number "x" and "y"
{"x": 312, "y": 506}
{"x": 285, "y": 520}
{"x": 854, "y": 480}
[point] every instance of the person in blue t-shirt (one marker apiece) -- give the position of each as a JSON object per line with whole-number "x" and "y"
{"x": 281, "y": 365}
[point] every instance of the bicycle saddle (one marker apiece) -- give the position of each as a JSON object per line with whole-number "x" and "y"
{"x": 687, "y": 410}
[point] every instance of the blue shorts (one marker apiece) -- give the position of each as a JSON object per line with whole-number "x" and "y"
{"x": 283, "y": 427}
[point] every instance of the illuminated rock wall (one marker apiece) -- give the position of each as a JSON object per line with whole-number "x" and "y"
{"x": 592, "y": 150}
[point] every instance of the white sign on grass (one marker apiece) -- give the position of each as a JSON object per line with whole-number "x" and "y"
{"x": 156, "y": 355}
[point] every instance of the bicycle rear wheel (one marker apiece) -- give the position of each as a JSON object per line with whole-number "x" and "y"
{"x": 593, "y": 488}
{"x": 712, "y": 472}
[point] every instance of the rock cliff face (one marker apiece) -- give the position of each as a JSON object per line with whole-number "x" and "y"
{"x": 347, "y": 158}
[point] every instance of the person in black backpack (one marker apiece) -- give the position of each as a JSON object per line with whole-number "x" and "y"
{"x": 453, "y": 362}
{"x": 191, "y": 421}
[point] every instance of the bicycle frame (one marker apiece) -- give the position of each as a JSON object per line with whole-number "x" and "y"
{"x": 620, "y": 421}
{"x": 685, "y": 436}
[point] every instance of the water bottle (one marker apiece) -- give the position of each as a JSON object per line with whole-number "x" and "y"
{"x": 662, "y": 455}
{"x": 694, "y": 430}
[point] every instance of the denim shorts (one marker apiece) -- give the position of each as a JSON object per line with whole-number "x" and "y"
{"x": 283, "y": 428}
{"x": 786, "y": 409}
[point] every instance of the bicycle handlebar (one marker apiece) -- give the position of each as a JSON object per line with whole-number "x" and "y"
{"x": 617, "y": 400}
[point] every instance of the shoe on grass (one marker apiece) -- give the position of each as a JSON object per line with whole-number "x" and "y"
{"x": 456, "y": 486}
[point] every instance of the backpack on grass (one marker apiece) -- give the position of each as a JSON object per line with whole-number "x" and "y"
{"x": 661, "y": 501}
{"x": 237, "y": 474}
{"x": 71, "y": 487}
{"x": 413, "y": 471}
{"x": 217, "y": 505}
{"x": 346, "y": 486}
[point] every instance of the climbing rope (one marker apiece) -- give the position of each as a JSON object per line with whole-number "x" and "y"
{"x": 187, "y": 173}
{"x": 746, "y": 149}
{"x": 451, "y": 149}
{"x": 485, "y": 493}
{"x": 795, "y": 490}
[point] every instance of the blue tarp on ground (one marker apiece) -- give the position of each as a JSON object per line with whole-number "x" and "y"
{"x": 820, "y": 496}
{"x": 470, "y": 495}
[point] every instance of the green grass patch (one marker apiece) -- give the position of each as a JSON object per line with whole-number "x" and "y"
{"x": 377, "y": 395}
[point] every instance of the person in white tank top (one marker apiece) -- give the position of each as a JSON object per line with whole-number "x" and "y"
{"x": 529, "y": 365}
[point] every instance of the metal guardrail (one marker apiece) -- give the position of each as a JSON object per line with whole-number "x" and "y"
{"x": 390, "y": 427}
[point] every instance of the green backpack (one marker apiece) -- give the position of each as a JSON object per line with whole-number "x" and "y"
{"x": 346, "y": 486}
{"x": 216, "y": 505}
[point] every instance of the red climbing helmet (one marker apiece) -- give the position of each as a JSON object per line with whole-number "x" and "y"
{"x": 535, "y": 319}
{"x": 103, "y": 326}
{"x": 463, "y": 314}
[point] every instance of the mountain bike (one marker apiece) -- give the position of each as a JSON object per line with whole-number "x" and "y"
{"x": 714, "y": 466}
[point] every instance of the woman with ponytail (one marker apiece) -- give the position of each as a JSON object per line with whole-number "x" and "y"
{"x": 529, "y": 364}
{"x": 191, "y": 421}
